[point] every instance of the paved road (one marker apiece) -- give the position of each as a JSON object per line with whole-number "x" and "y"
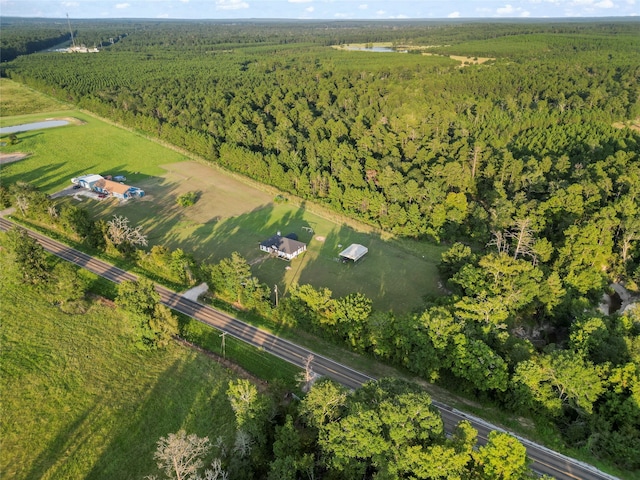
{"x": 544, "y": 460}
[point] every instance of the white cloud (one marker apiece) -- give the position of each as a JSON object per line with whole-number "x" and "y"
{"x": 163, "y": 15}
{"x": 506, "y": 10}
{"x": 69, "y": 4}
{"x": 454, "y": 15}
{"x": 524, "y": 13}
{"x": 309, "y": 9}
{"x": 363, "y": 6}
{"x": 300, "y": 1}
{"x": 605, "y": 4}
{"x": 341, "y": 15}
{"x": 122, "y": 5}
{"x": 231, "y": 4}
{"x": 380, "y": 12}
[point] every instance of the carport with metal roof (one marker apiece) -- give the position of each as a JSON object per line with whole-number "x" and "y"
{"x": 353, "y": 252}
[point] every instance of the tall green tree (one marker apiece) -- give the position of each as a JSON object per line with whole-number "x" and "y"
{"x": 138, "y": 296}
{"x": 29, "y": 256}
{"x": 502, "y": 458}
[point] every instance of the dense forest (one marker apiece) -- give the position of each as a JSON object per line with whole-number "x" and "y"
{"x": 17, "y": 40}
{"x": 524, "y": 165}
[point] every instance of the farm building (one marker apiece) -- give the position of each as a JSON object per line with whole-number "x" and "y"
{"x": 87, "y": 181}
{"x": 284, "y": 247}
{"x": 353, "y": 252}
{"x": 99, "y": 184}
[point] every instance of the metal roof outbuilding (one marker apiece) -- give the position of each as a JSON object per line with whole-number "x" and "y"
{"x": 354, "y": 252}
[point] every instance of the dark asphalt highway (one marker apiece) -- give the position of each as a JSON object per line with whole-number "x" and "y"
{"x": 544, "y": 460}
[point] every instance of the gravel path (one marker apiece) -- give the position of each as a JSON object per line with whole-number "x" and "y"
{"x": 195, "y": 292}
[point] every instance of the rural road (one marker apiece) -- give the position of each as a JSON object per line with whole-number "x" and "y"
{"x": 544, "y": 460}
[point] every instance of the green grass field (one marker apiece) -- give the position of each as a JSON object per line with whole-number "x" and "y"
{"x": 78, "y": 402}
{"x": 16, "y": 99}
{"x": 230, "y": 215}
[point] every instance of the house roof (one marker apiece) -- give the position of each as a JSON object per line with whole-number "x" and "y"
{"x": 354, "y": 252}
{"x": 112, "y": 187}
{"x": 89, "y": 178}
{"x": 283, "y": 244}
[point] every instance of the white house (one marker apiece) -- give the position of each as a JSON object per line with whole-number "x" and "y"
{"x": 283, "y": 247}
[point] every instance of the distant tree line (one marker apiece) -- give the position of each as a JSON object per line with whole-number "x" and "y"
{"x": 24, "y": 42}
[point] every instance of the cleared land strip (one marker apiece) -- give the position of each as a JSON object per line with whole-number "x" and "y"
{"x": 544, "y": 460}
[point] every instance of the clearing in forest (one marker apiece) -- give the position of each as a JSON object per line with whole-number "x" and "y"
{"x": 231, "y": 214}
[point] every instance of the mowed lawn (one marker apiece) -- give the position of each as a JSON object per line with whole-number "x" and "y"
{"x": 230, "y": 214}
{"x": 88, "y": 145}
{"x": 80, "y": 402}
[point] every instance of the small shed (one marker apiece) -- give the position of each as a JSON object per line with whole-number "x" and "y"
{"x": 283, "y": 247}
{"x": 353, "y": 252}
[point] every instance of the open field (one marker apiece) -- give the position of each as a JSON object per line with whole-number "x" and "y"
{"x": 230, "y": 215}
{"x": 93, "y": 146}
{"x": 79, "y": 402}
{"x": 18, "y": 99}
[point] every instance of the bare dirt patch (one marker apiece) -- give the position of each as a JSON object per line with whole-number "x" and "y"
{"x": 320, "y": 238}
{"x": 633, "y": 125}
{"x": 71, "y": 120}
{"x": 12, "y": 157}
{"x": 220, "y": 196}
{"x": 465, "y": 61}
{"x": 471, "y": 60}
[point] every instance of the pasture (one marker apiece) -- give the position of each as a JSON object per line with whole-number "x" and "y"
{"x": 230, "y": 214}
{"x": 80, "y": 402}
{"x": 17, "y": 99}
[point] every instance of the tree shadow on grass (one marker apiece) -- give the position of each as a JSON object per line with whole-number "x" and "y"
{"x": 190, "y": 394}
{"x": 392, "y": 278}
{"x": 38, "y": 176}
{"x": 63, "y": 445}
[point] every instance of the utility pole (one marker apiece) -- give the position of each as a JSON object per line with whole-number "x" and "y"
{"x": 275, "y": 290}
{"x": 224, "y": 350}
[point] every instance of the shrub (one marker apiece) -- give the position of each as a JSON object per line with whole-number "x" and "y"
{"x": 187, "y": 199}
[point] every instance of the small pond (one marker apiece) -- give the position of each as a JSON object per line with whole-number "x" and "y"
{"x": 25, "y": 127}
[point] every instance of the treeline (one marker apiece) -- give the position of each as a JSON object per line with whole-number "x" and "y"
{"x": 386, "y": 429}
{"x": 410, "y": 144}
{"x": 17, "y": 40}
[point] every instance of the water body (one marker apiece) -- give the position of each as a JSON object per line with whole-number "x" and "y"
{"x": 25, "y": 127}
{"x": 371, "y": 49}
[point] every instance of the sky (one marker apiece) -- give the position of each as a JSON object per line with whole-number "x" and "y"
{"x": 318, "y": 9}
